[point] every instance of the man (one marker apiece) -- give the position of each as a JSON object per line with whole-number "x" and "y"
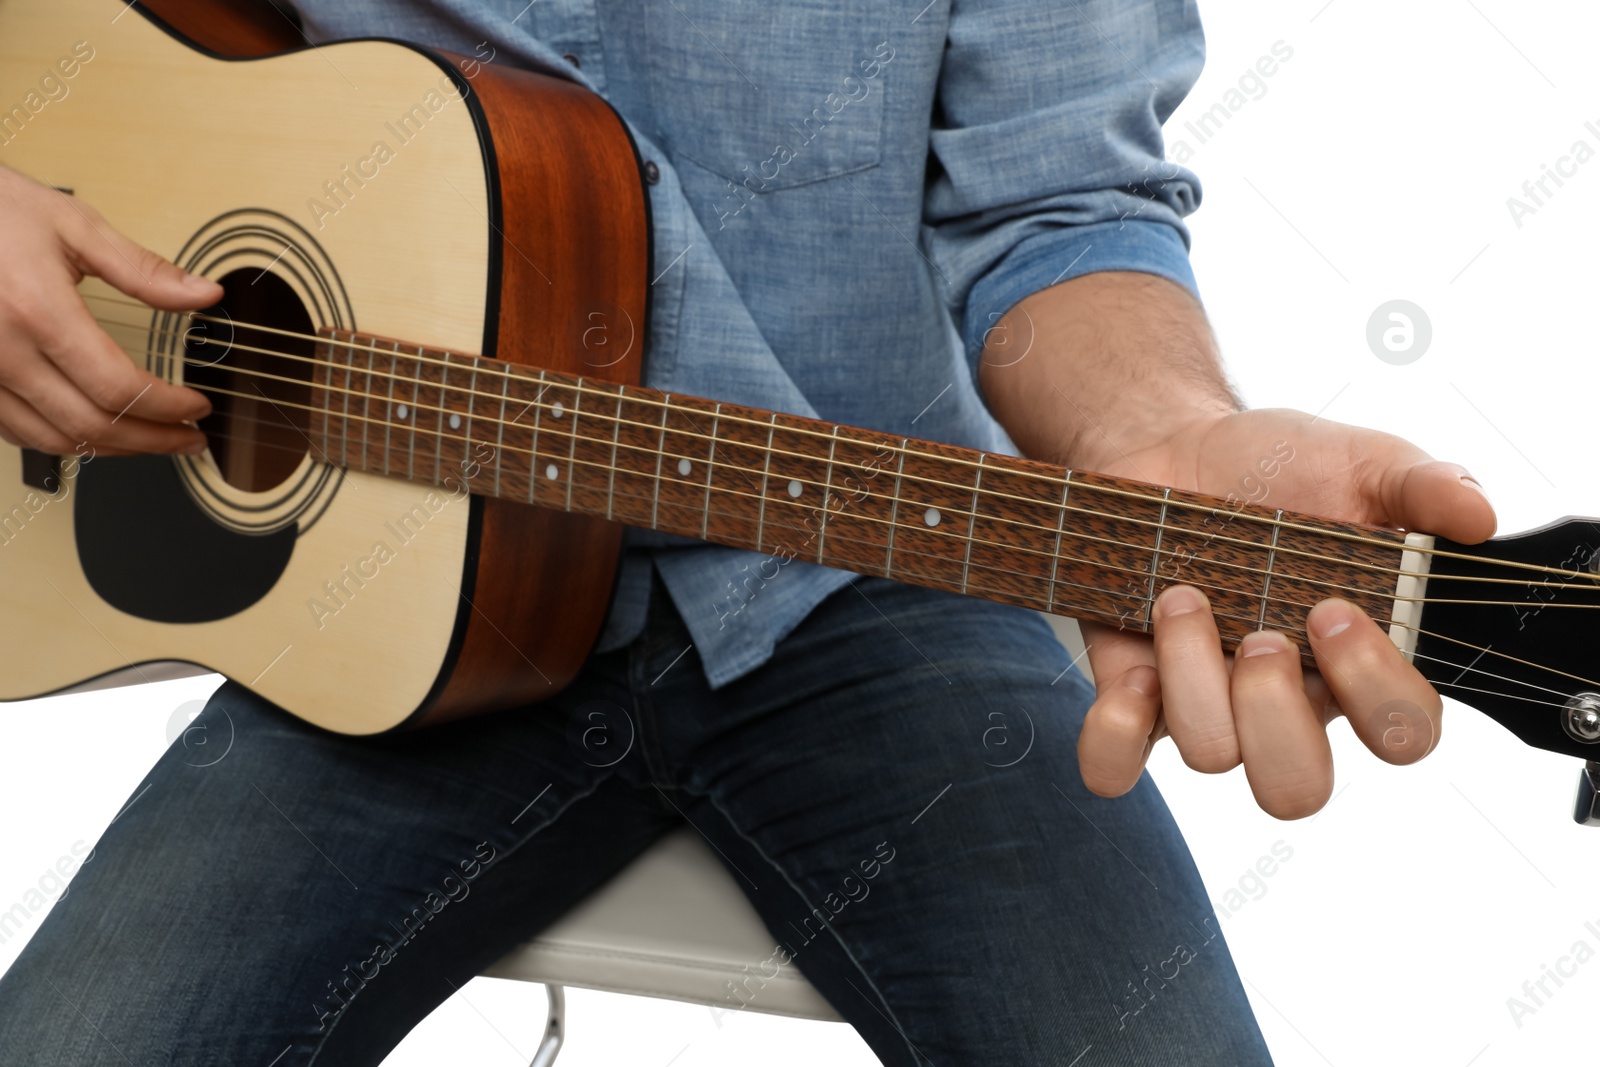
{"x": 875, "y": 212}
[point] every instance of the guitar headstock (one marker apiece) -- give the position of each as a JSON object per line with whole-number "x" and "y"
{"x": 1511, "y": 627}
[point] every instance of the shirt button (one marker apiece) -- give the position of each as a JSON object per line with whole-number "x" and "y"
{"x": 652, "y": 173}
{"x": 570, "y": 58}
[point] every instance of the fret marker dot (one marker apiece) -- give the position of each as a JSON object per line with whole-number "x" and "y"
{"x": 551, "y": 472}
{"x": 455, "y": 422}
{"x": 931, "y": 516}
{"x": 557, "y": 410}
{"x": 795, "y": 488}
{"x": 402, "y": 412}
{"x": 685, "y": 468}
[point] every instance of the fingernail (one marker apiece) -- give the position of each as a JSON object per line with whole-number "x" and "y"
{"x": 196, "y": 281}
{"x": 1262, "y": 643}
{"x": 1142, "y": 680}
{"x": 195, "y": 449}
{"x": 1330, "y": 618}
{"x": 1179, "y": 600}
{"x": 1467, "y": 479}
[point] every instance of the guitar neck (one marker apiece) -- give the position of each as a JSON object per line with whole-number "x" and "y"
{"x": 997, "y": 527}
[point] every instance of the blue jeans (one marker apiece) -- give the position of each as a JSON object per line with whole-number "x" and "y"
{"x": 903, "y": 769}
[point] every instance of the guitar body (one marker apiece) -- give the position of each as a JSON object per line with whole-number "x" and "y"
{"x": 502, "y": 208}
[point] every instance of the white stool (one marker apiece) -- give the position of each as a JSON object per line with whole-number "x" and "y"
{"x": 673, "y": 924}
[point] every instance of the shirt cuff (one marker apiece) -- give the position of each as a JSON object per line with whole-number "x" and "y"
{"x": 1061, "y": 254}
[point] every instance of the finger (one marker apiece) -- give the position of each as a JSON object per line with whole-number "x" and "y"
{"x": 1287, "y": 758}
{"x": 104, "y": 373}
{"x": 76, "y": 419}
{"x": 26, "y": 428}
{"x": 1194, "y": 680}
{"x": 1112, "y": 652}
{"x": 1116, "y": 737}
{"x": 1408, "y": 489}
{"x": 1391, "y": 707}
{"x": 99, "y": 249}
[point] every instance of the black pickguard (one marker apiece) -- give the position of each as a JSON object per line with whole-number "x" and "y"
{"x": 148, "y": 550}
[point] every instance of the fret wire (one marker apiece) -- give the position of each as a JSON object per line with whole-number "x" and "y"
{"x": 572, "y": 452}
{"x": 711, "y": 460}
{"x": 972, "y": 523}
{"x": 616, "y": 434}
{"x": 1155, "y": 562}
{"x": 766, "y": 470}
{"x": 1337, "y": 534}
{"x": 533, "y": 458}
{"x": 344, "y": 427}
{"x": 327, "y": 412}
{"x": 388, "y": 416}
{"x": 500, "y": 433}
{"x": 413, "y": 422}
{"x": 894, "y": 510}
{"x": 366, "y": 406}
{"x": 471, "y": 413}
{"x": 438, "y": 446}
{"x": 1266, "y": 585}
{"x": 827, "y": 487}
{"x": 661, "y": 455}
{"x": 1088, "y": 511}
{"x": 1061, "y": 527}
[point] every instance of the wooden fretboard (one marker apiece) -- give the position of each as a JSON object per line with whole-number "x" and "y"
{"x": 991, "y": 526}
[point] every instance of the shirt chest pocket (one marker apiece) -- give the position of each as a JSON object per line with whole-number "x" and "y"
{"x": 772, "y": 95}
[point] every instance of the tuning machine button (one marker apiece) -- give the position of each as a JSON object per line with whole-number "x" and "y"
{"x": 1580, "y": 718}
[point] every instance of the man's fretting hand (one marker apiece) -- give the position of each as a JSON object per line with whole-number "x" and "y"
{"x": 1122, "y": 378}
{"x": 1258, "y": 707}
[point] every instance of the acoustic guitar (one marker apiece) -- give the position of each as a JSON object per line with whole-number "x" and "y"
{"x": 429, "y": 429}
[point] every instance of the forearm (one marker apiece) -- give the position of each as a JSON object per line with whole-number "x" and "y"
{"x": 1093, "y": 371}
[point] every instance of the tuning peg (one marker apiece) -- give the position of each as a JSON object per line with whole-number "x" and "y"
{"x": 1586, "y": 812}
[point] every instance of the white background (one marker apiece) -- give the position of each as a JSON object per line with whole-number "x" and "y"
{"x": 1377, "y": 166}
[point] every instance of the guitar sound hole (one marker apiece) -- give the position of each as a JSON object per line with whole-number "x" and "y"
{"x": 258, "y": 380}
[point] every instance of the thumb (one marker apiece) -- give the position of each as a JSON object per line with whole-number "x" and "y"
{"x": 1436, "y": 497}
{"x": 100, "y": 250}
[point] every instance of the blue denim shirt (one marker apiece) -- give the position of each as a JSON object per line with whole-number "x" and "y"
{"x": 852, "y": 194}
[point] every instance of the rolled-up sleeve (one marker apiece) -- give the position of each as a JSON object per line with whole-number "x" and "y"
{"x": 1048, "y": 156}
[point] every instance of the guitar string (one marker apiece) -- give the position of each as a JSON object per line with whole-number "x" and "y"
{"x": 1106, "y": 615}
{"x": 566, "y": 459}
{"x": 953, "y": 511}
{"x": 1506, "y": 656}
{"x": 351, "y": 369}
{"x": 1025, "y": 600}
{"x": 956, "y": 512}
{"x": 579, "y": 388}
{"x": 510, "y": 373}
{"x": 657, "y": 428}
